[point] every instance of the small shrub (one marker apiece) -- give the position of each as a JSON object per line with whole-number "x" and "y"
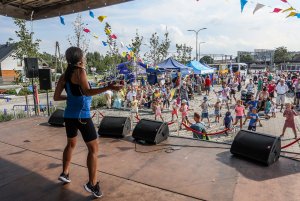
{"x": 5, "y": 117}
{"x": 98, "y": 101}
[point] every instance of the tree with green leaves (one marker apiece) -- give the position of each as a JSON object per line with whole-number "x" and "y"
{"x": 281, "y": 55}
{"x": 26, "y": 45}
{"x": 246, "y": 58}
{"x": 79, "y": 39}
{"x": 158, "y": 50}
{"x": 136, "y": 44}
{"x": 183, "y": 53}
{"x": 207, "y": 60}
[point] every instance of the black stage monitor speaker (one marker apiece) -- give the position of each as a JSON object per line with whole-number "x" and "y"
{"x": 31, "y": 67}
{"x": 150, "y": 131}
{"x": 57, "y": 118}
{"x": 256, "y": 146}
{"x": 117, "y": 127}
{"x": 45, "y": 79}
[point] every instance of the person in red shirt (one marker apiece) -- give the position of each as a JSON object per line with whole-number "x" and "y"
{"x": 271, "y": 89}
{"x": 207, "y": 83}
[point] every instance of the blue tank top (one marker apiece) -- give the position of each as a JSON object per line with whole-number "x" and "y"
{"x": 78, "y": 105}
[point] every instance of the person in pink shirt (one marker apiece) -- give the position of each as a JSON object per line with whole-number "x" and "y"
{"x": 289, "y": 115}
{"x": 184, "y": 111}
{"x": 239, "y": 112}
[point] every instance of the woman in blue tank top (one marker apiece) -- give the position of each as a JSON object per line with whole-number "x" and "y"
{"x": 77, "y": 115}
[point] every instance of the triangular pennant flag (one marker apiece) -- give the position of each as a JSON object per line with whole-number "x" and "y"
{"x": 257, "y": 7}
{"x": 128, "y": 57}
{"x": 277, "y": 10}
{"x": 104, "y": 43}
{"x": 292, "y": 14}
{"x": 298, "y": 15}
{"x": 101, "y": 18}
{"x": 122, "y": 45}
{"x": 134, "y": 59}
{"x": 86, "y": 30}
{"x": 124, "y": 54}
{"x": 92, "y": 14}
{"x": 107, "y": 31}
{"x": 284, "y": 1}
{"x": 110, "y": 46}
{"x": 62, "y": 20}
{"x": 113, "y": 36}
{"x": 243, "y": 3}
{"x": 18, "y": 90}
{"x": 131, "y": 54}
{"x": 95, "y": 36}
{"x": 129, "y": 48}
{"x": 289, "y": 9}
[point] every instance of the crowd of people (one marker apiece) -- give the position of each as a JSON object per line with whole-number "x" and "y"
{"x": 261, "y": 95}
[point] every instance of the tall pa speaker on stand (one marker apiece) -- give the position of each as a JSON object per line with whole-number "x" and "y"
{"x": 32, "y": 71}
{"x": 256, "y": 146}
{"x": 117, "y": 127}
{"x": 150, "y": 131}
{"x": 31, "y": 67}
{"x": 45, "y": 83}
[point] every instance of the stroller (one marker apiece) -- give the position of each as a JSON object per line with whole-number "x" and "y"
{"x": 246, "y": 96}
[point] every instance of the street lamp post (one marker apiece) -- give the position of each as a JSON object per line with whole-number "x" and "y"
{"x": 200, "y": 49}
{"x": 196, "y": 32}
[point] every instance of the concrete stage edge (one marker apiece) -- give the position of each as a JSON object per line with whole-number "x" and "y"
{"x": 31, "y": 154}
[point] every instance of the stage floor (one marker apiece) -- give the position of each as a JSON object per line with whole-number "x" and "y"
{"x": 30, "y": 162}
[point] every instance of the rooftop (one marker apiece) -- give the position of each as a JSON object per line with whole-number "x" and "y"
{"x": 6, "y": 50}
{"x": 40, "y": 9}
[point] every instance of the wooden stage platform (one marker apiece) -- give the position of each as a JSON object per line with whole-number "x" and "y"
{"x": 30, "y": 163}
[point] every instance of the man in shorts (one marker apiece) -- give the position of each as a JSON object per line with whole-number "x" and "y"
{"x": 281, "y": 90}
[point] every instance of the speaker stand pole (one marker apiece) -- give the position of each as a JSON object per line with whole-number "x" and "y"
{"x": 33, "y": 94}
{"x": 47, "y": 93}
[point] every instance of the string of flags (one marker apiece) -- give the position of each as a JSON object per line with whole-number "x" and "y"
{"x": 292, "y": 12}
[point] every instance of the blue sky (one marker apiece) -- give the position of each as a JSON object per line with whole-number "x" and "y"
{"x": 228, "y": 30}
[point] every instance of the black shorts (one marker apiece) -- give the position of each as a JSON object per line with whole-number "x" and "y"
{"x": 252, "y": 128}
{"x": 232, "y": 91}
{"x": 85, "y": 126}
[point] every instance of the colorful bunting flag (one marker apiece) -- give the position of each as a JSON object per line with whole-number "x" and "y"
{"x": 289, "y": 9}
{"x": 122, "y": 45}
{"x": 129, "y": 48}
{"x": 292, "y": 14}
{"x": 86, "y": 30}
{"x": 101, "y": 18}
{"x": 243, "y": 3}
{"x": 113, "y": 36}
{"x": 62, "y": 20}
{"x": 107, "y": 31}
{"x": 277, "y": 10}
{"x": 128, "y": 57}
{"x": 95, "y": 36}
{"x": 298, "y": 15}
{"x": 92, "y": 14}
{"x": 104, "y": 43}
{"x": 131, "y": 54}
{"x": 18, "y": 90}
{"x": 257, "y": 7}
{"x": 124, "y": 54}
{"x": 284, "y": 1}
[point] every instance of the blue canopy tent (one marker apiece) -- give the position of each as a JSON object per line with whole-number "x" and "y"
{"x": 123, "y": 68}
{"x": 172, "y": 64}
{"x": 200, "y": 68}
{"x": 152, "y": 74}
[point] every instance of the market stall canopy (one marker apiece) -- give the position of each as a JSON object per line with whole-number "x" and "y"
{"x": 41, "y": 9}
{"x": 123, "y": 68}
{"x": 200, "y": 68}
{"x": 172, "y": 64}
